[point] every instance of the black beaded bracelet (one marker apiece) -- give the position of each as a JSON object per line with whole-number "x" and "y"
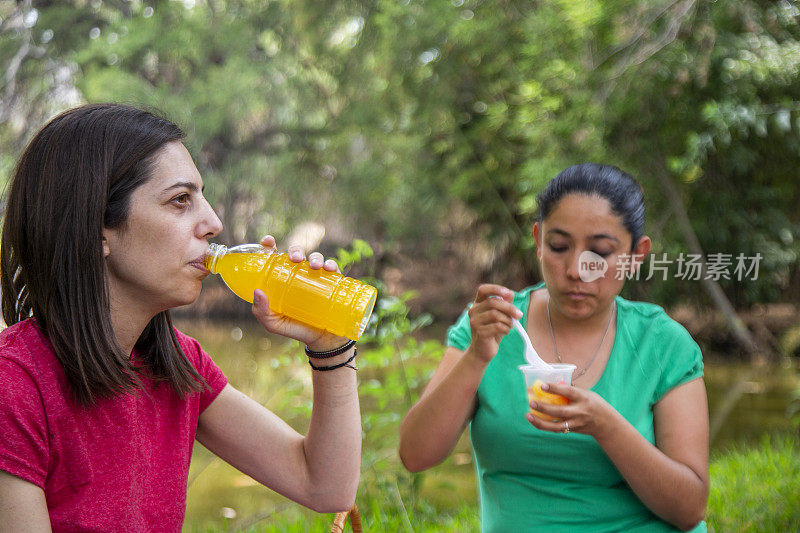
{"x": 330, "y": 353}
{"x": 334, "y": 367}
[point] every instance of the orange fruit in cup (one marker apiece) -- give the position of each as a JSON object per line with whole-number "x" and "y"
{"x": 536, "y": 394}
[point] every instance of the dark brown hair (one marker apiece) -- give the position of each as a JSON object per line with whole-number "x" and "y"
{"x": 74, "y": 178}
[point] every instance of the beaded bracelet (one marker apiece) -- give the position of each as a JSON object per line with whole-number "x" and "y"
{"x": 334, "y": 367}
{"x": 330, "y": 353}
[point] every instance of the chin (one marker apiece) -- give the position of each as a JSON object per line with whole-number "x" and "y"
{"x": 577, "y": 310}
{"x": 187, "y": 298}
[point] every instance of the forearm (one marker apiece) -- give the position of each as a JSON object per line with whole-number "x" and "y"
{"x": 332, "y": 446}
{"x": 433, "y": 425}
{"x": 669, "y": 488}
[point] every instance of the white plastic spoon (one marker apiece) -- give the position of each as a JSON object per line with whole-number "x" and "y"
{"x": 530, "y": 353}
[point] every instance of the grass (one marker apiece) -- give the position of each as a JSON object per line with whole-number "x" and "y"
{"x": 756, "y": 488}
{"x": 753, "y": 489}
{"x": 375, "y": 518}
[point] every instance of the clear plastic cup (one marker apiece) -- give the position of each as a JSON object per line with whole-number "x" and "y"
{"x": 535, "y": 377}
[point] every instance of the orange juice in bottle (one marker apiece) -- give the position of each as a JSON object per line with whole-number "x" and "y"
{"x": 319, "y": 298}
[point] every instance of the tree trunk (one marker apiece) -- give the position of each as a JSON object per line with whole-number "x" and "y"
{"x": 743, "y": 335}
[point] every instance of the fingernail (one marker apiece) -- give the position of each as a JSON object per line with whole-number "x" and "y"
{"x": 518, "y": 314}
{"x": 545, "y": 386}
{"x": 534, "y": 405}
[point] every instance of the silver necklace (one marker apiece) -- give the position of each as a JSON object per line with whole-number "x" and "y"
{"x": 581, "y": 371}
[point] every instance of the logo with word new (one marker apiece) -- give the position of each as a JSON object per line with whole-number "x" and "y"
{"x": 591, "y": 266}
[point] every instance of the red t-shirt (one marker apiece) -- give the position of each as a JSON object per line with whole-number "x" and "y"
{"x": 121, "y": 465}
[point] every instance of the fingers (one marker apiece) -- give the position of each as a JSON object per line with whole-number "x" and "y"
{"x": 556, "y": 415}
{"x": 549, "y": 425}
{"x": 260, "y": 305}
{"x": 268, "y": 241}
{"x": 567, "y": 391}
{"x": 316, "y": 261}
{"x": 495, "y": 298}
{"x": 296, "y": 254}
{"x": 488, "y": 290}
{"x": 491, "y": 314}
{"x": 486, "y": 317}
{"x": 558, "y": 412}
{"x": 331, "y": 266}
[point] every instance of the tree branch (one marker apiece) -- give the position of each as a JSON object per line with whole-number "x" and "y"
{"x": 743, "y": 335}
{"x": 639, "y": 56}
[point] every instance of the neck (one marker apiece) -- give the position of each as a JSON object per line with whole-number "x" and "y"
{"x": 589, "y": 324}
{"x": 128, "y": 321}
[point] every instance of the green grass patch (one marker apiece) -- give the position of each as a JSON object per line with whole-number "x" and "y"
{"x": 753, "y": 488}
{"x": 756, "y": 488}
{"x": 376, "y": 516}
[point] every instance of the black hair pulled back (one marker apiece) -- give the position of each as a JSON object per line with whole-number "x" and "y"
{"x": 619, "y": 188}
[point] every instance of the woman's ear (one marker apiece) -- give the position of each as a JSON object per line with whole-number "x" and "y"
{"x": 640, "y": 251}
{"x": 537, "y": 237}
{"x": 106, "y": 249}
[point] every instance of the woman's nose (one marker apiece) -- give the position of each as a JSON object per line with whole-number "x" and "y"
{"x": 573, "y": 266}
{"x": 210, "y": 225}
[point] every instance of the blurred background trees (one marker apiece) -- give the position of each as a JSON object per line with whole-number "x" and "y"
{"x": 427, "y": 128}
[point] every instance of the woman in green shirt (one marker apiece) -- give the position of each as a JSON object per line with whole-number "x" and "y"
{"x": 630, "y": 451}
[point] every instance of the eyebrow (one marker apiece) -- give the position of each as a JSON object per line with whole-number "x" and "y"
{"x": 594, "y": 237}
{"x": 187, "y": 184}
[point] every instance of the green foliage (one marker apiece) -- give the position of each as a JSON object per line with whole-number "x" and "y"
{"x": 755, "y": 489}
{"x": 393, "y": 366}
{"x": 252, "y": 115}
{"x": 361, "y": 250}
{"x": 380, "y": 117}
{"x": 715, "y": 112}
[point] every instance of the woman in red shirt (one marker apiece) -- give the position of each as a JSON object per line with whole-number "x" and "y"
{"x": 101, "y": 399}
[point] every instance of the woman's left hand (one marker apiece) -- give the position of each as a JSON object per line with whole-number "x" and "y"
{"x": 315, "y": 339}
{"x": 586, "y": 412}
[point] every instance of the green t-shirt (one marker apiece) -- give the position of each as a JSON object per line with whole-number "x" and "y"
{"x": 530, "y": 478}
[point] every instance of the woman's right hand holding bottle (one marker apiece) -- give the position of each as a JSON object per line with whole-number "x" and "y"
{"x": 315, "y": 339}
{"x": 490, "y": 320}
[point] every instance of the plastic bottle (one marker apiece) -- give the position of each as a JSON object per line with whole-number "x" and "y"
{"x": 319, "y": 298}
